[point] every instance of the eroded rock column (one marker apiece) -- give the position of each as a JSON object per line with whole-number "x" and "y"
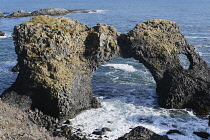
{"x": 56, "y": 59}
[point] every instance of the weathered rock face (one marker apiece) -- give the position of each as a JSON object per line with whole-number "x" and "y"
{"x": 157, "y": 44}
{"x": 57, "y": 56}
{"x": 141, "y": 133}
{"x": 19, "y": 13}
{"x": 56, "y": 60}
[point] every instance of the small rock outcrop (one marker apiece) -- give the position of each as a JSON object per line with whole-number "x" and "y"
{"x": 47, "y": 11}
{"x": 50, "y": 11}
{"x": 174, "y": 132}
{"x": 19, "y": 13}
{"x": 1, "y": 14}
{"x": 56, "y": 59}
{"x": 202, "y": 134}
{"x": 2, "y": 33}
{"x": 141, "y": 133}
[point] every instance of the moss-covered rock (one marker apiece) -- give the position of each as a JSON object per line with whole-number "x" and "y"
{"x": 57, "y": 57}
{"x": 55, "y": 68}
{"x": 157, "y": 44}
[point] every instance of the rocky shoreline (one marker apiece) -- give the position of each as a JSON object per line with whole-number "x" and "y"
{"x": 47, "y": 11}
{"x": 57, "y": 57}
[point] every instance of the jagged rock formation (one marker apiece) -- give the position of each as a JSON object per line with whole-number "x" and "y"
{"x": 141, "y": 133}
{"x": 19, "y": 13}
{"x": 48, "y": 11}
{"x": 157, "y": 44}
{"x": 57, "y": 56}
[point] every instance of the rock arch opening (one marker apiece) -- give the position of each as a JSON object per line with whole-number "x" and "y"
{"x": 126, "y": 80}
{"x": 184, "y": 61}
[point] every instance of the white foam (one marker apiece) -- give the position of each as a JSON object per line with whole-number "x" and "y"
{"x": 6, "y": 36}
{"x": 204, "y": 54}
{"x": 121, "y": 117}
{"x": 101, "y": 11}
{"x": 198, "y": 37}
{"x": 5, "y": 67}
{"x": 124, "y": 67}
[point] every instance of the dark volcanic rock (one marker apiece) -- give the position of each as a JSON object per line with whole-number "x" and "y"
{"x": 2, "y": 33}
{"x": 174, "y": 132}
{"x": 50, "y": 11}
{"x": 56, "y": 58}
{"x": 157, "y": 44}
{"x": 19, "y": 13}
{"x": 141, "y": 133}
{"x": 105, "y": 129}
{"x": 202, "y": 134}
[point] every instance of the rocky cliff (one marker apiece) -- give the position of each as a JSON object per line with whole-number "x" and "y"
{"x": 57, "y": 57}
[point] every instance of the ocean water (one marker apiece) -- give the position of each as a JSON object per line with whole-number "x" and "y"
{"x": 124, "y": 87}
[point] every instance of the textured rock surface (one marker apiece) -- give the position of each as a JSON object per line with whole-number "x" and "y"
{"x": 141, "y": 133}
{"x": 56, "y": 58}
{"x": 19, "y": 13}
{"x": 157, "y": 44}
{"x": 15, "y": 124}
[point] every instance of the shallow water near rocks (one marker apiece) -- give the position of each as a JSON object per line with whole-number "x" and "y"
{"x": 124, "y": 87}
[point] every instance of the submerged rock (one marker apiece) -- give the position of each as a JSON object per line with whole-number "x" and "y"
{"x": 19, "y": 13}
{"x": 141, "y": 133}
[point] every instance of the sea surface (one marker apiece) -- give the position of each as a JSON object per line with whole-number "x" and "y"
{"x": 124, "y": 87}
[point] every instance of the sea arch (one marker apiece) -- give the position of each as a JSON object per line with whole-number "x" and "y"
{"x": 57, "y": 57}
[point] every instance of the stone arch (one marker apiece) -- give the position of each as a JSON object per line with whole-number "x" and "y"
{"x": 57, "y": 57}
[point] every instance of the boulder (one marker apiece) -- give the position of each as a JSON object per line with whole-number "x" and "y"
{"x": 56, "y": 59}
{"x": 141, "y": 133}
{"x": 157, "y": 44}
{"x": 19, "y": 13}
{"x": 202, "y": 134}
{"x": 174, "y": 132}
{"x": 50, "y": 11}
{"x": 2, "y": 33}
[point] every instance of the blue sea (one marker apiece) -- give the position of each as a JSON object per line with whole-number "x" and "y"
{"x": 124, "y": 87}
